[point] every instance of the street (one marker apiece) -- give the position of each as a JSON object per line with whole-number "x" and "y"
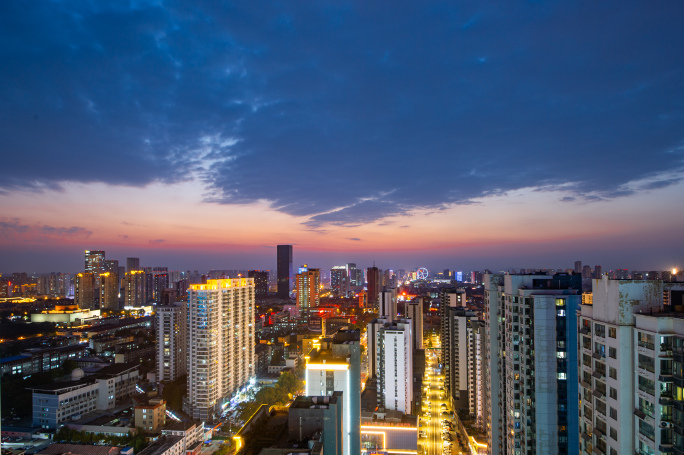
{"x": 436, "y": 421}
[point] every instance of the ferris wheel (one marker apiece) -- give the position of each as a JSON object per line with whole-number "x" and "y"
{"x": 422, "y": 273}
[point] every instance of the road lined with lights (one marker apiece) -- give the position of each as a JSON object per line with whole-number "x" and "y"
{"x": 435, "y": 434}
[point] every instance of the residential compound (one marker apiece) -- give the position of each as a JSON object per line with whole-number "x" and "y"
{"x": 220, "y": 343}
{"x": 530, "y": 400}
{"x": 631, "y": 381}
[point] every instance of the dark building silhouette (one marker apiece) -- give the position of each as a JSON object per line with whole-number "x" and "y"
{"x": 260, "y": 282}
{"x": 373, "y": 279}
{"x": 284, "y": 270}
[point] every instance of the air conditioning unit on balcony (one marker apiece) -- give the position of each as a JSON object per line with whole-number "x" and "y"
{"x": 665, "y": 424}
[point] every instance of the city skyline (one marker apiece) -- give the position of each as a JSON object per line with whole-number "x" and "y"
{"x": 444, "y": 135}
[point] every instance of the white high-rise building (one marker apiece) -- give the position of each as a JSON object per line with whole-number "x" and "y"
{"x": 628, "y": 357}
{"x": 220, "y": 343}
{"x": 172, "y": 343}
{"x": 387, "y": 304}
{"x": 390, "y": 359}
{"x": 414, "y": 311}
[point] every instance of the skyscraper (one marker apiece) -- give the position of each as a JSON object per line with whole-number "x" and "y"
{"x": 260, "y": 282}
{"x": 84, "y": 290}
{"x": 220, "y": 343}
{"x": 308, "y": 289}
{"x": 284, "y": 270}
{"x": 373, "y": 282}
{"x": 134, "y": 288}
{"x": 132, "y": 264}
{"x": 531, "y": 367}
{"x": 109, "y": 291}
{"x": 339, "y": 280}
{"x": 95, "y": 262}
{"x": 578, "y": 267}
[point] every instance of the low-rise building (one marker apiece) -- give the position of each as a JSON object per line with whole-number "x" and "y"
{"x": 151, "y": 417}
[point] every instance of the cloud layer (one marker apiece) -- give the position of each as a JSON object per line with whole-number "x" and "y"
{"x": 344, "y": 113}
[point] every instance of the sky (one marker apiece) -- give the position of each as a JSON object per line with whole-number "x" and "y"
{"x": 459, "y": 134}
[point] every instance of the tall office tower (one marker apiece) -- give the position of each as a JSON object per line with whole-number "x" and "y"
{"x": 352, "y": 275}
{"x": 627, "y": 362}
{"x": 284, "y": 270}
{"x": 459, "y": 323}
{"x": 43, "y": 285}
{"x": 260, "y": 282}
{"x": 373, "y": 285}
{"x": 336, "y": 367}
{"x": 109, "y": 291}
{"x": 308, "y": 287}
{"x": 394, "y": 366}
{"x": 134, "y": 288}
{"x": 84, "y": 292}
{"x": 172, "y": 343}
{"x": 339, "y": 280}
{"x": 448, "y": 298}
{"x": 220, "y": 344}
{"x": 132, "y": 264}
{"x": 476, "y": 376}
{"x": 531, "y": 328}
{"x": 414, "y": 311}
{"x": 95, "y": 262}
{"x": 387, "y": 304}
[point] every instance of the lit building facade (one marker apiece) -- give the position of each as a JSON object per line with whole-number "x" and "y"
{"x": 220, "y": 336}
{"x": 134, "y": 288}
{"x": 308, "y": 289}
{"x": 339, "y": 280}
{"x": 84, "y": 290}
{"x": 336, "y": 367}
{"x": 414, "y": 311}
{"x": 109, "y": 291}
{"x": 394, "y": 365}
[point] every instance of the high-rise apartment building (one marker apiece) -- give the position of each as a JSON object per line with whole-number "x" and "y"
{"x": 220, "y": 343}
{"x": 628, "y": 384}
{"x": 336, "y": 367}
{"x": 339, "y": 280}
{"x": 134, "y": 288}
{"x": 132, "y": 264}
{"x": 459, "y": 326}
{"x": 414, "y": 311}
{"x": 308, "y": 290}
{"x": 393, "y": 363}
{"x": 172, "y": 342}
{"x": 109, "y": 291}
{"x": 578, "y": 267}
{"x": 284, "y": 270}
{"x": 531, "y": 366}
{"x": 387, "y": 304}
{"x": 476, "y": 376}
{"x": 84, "y": 290}
{"x": 448, "y": 298}
{"x": 373, "y": 286}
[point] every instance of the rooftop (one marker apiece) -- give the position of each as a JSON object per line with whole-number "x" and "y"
{"x": 79, "y": 449}
{"x": 161, "y": 445}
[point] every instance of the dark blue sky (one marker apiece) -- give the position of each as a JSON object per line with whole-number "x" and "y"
{"x": 341, "y": 114}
